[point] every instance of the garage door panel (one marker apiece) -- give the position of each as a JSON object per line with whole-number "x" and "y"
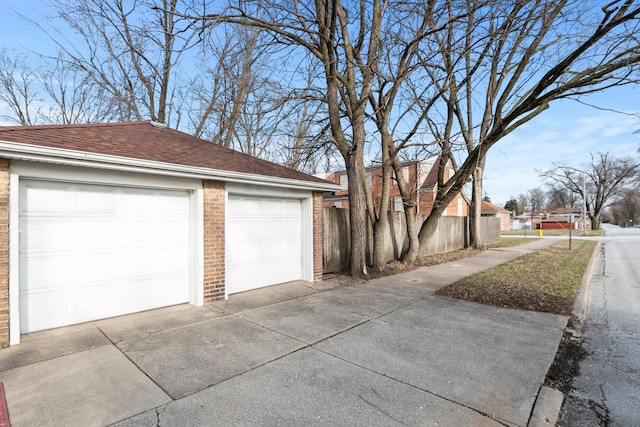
{"x": 96, "y": 300}
{"x": 234, "y": 228}
{"x": 169, "y": 204}
{"x": 285, "y": 249}
{"x": 274, "y": 228}
{"x": 172, "y": 232}
{"x": 45, "y": 309}
{"x": 138, "y": 263}
{"x": 136, "y": 293}
{"x": 291, "y": 208}
{"x": 46, "y": 235}
{"x": 97, "y": 233}
{"x": 95, "y": 266}
{"x": 137, "y": 231}
{"x": 45, "y": 271}
{"x": 272, "y": 208}
{"x": 252, "y": 207}
{"x": 95, "y": 200}
{"x": 109, "y": 244}
{"x": 166, "y": 289}
{"x": 169, "y": 263}
{"x": 138, "y": 202}
{"x": 246, "y": 228}
{"x": 287, "y": 230}
{"x": 264, "y": 242}
{"x": 44, "y": 199}
{"x": 244, "y": 252}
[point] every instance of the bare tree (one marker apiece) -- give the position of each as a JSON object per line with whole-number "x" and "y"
{"x": 523, "y": 202}
{"x": 130, "y": 50}
{"x": 219, "y": 91}
{"x": 73, "y": 97}
{"x": 39, "y": 90}
{"x": 392, "y": 104}
{"x": 504, "y": 63}
{"x": 304, "y": 142}
{"x": 626, "y": 209}
{"x": 17, "y": 92}
{"x": 599, "y": 182}
{"x": 537, "y": 199}
{"x": 344, "y": 42}
{"x": 561, "y": 197}
{"x": 534, "y": 200}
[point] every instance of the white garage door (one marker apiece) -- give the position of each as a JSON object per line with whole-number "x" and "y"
{"x": 264, "y": 242}
{"x": 92, "y": 251}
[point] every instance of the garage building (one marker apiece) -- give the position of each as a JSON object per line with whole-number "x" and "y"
{"x": 102, "y": 220}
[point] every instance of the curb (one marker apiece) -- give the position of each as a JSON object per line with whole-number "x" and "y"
{"x": 548, "y": 404}
{"x": 547, "y": 407}
{"x": 4, "y": 413}
{"x": 582, "y": 301}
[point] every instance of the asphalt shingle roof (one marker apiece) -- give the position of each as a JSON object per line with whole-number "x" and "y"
{"x": 143, "y": 141}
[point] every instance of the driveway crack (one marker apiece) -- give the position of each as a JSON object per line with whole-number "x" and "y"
{"x": 379, "y": 408}
{"x": 484, "y": 414}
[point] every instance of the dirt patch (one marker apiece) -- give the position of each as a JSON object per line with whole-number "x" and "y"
{"x": 396, "y": 267}
{"x": 566, "y": 363}
{"x": 450, "y": 256}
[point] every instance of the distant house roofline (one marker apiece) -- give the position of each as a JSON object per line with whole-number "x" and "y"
{"x": 488, "y": 207}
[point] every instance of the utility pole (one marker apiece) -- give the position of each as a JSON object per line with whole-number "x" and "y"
{"x": 584, "y": 204}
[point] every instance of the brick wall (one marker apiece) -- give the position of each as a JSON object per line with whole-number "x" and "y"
{"x": 425, "y": 199}
{"x": 4, "y": 252}
{"x": 318, "y": 227}
{"x": 374, "y": 180}
{"x": 214, "y": 240}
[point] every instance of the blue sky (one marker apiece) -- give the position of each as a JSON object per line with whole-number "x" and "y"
{"x": 567, "y": 132}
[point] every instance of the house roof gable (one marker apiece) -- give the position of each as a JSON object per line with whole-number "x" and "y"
{"x": 566, "y": 211}
{"x": 149, "y": 142}
{"x": 430, "y": 183}
{"x": 490, "y": 207}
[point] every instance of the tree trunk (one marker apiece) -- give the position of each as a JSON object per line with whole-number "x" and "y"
{"x": 357, "y": 211}
{"x": 475, "y": 232}
{"x": 427, "y": 230}
{"x": 409, "y": 204}
{"x": 381, "y": 225}
{"x": 412, "y": 231}
{"x": 595, "y": 221}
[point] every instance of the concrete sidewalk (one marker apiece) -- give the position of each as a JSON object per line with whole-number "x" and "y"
{"x": 337, "y": 352}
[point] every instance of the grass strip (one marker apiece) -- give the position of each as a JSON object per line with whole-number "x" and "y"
{"x": 506, "y": 242}
{"x": 547, "y": 280}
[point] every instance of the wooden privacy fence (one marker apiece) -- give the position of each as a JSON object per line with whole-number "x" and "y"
{"x": 451, "y": 234}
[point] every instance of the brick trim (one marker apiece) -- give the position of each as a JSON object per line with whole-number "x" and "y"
{"x": 214, "y": 240}
{"x": 318, "y": 227}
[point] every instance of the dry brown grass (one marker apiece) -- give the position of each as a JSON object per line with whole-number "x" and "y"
{"x": 547, "y": 280}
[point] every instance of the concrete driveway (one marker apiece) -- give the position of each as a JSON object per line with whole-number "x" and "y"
{"x": 338, "y": 352}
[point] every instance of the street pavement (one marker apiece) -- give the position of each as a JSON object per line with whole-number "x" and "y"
{"x": 606, "y": 392}
{"x": 338, "y": 352}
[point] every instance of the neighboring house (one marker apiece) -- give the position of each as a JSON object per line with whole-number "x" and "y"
{"x": 422, "y": 178}
{"x": 108, "y": 219}
{"x": 491, "y": 210}
{"x": 527, "y": 221}
{"x": 563, "y": 218}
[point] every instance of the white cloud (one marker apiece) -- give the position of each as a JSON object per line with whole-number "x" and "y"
{"x": 561, "y": 135}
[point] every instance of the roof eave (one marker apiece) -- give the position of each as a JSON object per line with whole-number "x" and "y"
{"x": 38, "y": 153}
